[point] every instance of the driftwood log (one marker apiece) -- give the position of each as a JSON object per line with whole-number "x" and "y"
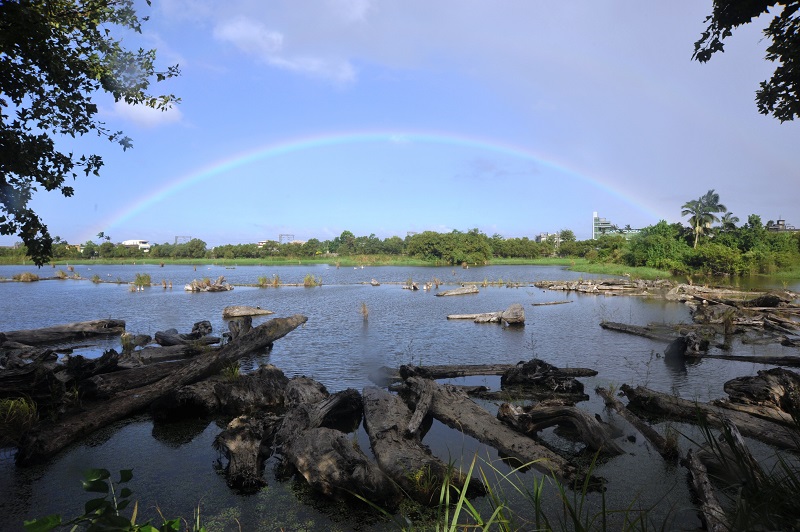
{"x": 669, "y": 452}
{"x": 661, "y": 404}
{"x": 538, "y": 378}
{"x": 49, "y": 437}
{"x": 237, "y": 311}
{"x": 463, "y": 290}
{"x": 513, "y": 315}
{"x": 66, "y": 333}
{"x": 453, "y": 408}
{"x": 710, "y": 508}
{"x": 418, "y": 473}
{"x": 530, "y": 420}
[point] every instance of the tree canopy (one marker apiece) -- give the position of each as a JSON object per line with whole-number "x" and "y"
{"x": 780, "y": 95}
{"x": 55, "y": 57}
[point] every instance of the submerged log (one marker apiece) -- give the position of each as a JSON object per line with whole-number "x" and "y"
{"x": 199, "y": 336}
{"x": 48, "y": 438}
{"x": 467, "y": 289}
{"x": 669, "y": 452}
{"x": 530, "y": 420}
{"x": 67, "y": 332}
{"x": 418, "y": 473}
{"x": 453, "y": 408}
{"x": 651, "y": 332}
{"x": 662, "y": 404}
{"x": 236, "y": 311}
{"x": 541, "y": 379}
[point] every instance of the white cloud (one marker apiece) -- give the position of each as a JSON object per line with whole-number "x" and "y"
{"x": 145, "y": 116}
{"x": 351, "y": 10}
{"x": 255, "y": 39}
{"x": 250, "y": 37}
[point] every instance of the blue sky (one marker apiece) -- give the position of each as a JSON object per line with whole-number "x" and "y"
{"x": 515, "y": 117}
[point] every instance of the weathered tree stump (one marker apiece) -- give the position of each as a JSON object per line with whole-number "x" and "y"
{"x": 409, "y": 464}
{"x": 245, "y": 442}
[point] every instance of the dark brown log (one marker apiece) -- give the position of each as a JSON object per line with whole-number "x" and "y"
{"x": 788, "y": 360}
{"x": 669, "y": 452}
{"x": 712, "y": 513}
{"x": 459, "y": 412}
{"x": 263, "y": 389}
{"x": 550, "y": 303}
{"x": 422, "y": 406}
{"x": 67, "y": 332}
{"x": 338, "y": 468}
{"x": 541, "y": 379}
{"x": 109, "y": 384}
{"x": 245, "y": 442}
{"x": 692, "y": 411}
{"x": 418, "y": 473}
{"x": 326, "y": 457}
{"x": 454, "y": 371}
{"x": 49, "y": 438}
{"x": 531, "y": 420}
{"x": 637, "y": 330}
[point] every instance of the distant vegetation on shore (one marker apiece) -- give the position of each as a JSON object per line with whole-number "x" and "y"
{"x": 663, "y": 249}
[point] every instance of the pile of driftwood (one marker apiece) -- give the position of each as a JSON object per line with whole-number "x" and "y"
{"x": 77, "y": 396}
{"x": 207, "y": 285}
{"x": 719, "y": 317}
{"x": 513, "y": 315}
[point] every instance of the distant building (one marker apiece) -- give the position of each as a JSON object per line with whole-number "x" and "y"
{"x": 141, "y": 245}
{"x": 601, "y": 226}
{"x": 554, "y": 238}
{"x": 781, "y": 226}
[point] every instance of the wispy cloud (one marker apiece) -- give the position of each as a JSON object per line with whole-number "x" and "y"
{"x": 267, "y": 46}
{"x": 145, "y": 116}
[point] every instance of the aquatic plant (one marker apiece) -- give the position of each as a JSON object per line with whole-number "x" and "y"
{"x": 26, "y": 277}
{"x": 61, "y": 274}
{"x": 310, "y": 280}
{"x": 17, "y": 416}
{"x": 231, "y": 372}
{"x": 142, "y": 279}
{"x": 106, "y": 512}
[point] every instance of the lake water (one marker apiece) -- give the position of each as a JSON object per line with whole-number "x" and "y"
{"x": 175, "y": 468}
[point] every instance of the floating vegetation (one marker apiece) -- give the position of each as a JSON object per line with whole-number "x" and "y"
{"x": 26, "y": 277}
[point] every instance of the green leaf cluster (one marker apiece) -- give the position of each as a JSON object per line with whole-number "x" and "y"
{"x": 104, "y": 514}
{"x": 55, "y": 57}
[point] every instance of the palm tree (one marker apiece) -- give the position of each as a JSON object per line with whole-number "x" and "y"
{"x": 702, "y": 212}
{"x": 728, "y": 221}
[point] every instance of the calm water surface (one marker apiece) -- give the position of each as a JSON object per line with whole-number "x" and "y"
{"x": 175, "y": 467}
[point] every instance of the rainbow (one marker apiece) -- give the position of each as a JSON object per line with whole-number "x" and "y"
{"x": 285, "y": 147}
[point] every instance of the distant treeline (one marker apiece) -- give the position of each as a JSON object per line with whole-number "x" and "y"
{"x": 727, "y": 249}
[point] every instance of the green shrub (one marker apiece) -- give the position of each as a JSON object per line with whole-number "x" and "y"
{"x": 310, "y": 280}
{"x": 142, "y": 279}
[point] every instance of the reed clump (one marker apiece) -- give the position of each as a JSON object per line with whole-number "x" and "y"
{"x": 26, "y": 277}
{"x": 310, "y": 280}
{"x": 17, "y": 416}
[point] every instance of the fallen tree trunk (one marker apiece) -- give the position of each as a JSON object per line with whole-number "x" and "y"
{"x": 236, "y": 311}
{"x": 456, "y": 410}
{"x": 638, "y": 330}
{"x": 468, "y": 289}
{"x": 712, "y": 513}
{"x": 513, "y": 315}
{"x": 691, "y": 411}
{"x": 454, "y": 371}
{"x": 418, "y": 473}
{"x": 50, "y": 437}
{"x": 66, "y": 333}
{"x": 531, "y": 420}
{"x": 669, "y": 452}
